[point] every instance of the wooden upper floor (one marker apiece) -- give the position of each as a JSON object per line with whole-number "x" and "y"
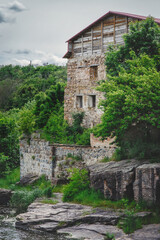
{"x": 96, "y": 37}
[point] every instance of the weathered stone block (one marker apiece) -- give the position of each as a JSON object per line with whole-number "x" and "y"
{"x": 114, "y": 179}
{"x": 147, "y": 183}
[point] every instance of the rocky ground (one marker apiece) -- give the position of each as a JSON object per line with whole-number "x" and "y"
{"x": 80, "y": 222}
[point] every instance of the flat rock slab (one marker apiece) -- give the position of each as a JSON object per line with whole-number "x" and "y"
{"x": 93, "y": 232}
{"x": 48, "y": 217}
{"x": 98, "y": 231}
{"x": 148, "y": 232}
{"x": 76, "y": 221}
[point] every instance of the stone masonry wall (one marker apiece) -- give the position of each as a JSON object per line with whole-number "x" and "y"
{"x": 134, "y": 179}
{"x": 39, "y": 157}
{"x": 80, "y": 83}
{"x": 36, "y": 157}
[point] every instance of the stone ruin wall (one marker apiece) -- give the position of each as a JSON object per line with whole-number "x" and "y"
{"x": 35, "y": 157}
{"x": 38, "y": 156}
{"x": 141, "y": 180}
{"x": 81, "y": 83}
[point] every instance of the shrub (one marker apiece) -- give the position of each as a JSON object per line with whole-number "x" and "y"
{"x": 79, "y": 181}
{"x": 20, "y": 200}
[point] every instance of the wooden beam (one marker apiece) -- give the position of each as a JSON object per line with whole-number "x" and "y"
{"x": 114, "y": 33}
{"x": 102, "y": 37}
{"x": 82, "y": 46}
{"x": 92, "y": 40}
{"x": 126, "y": 24}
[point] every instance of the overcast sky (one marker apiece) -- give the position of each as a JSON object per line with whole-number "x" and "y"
{"x": 36, "y": 30}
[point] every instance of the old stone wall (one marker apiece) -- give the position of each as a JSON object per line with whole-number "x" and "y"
{"x": 39, "y": 157}
{"x": 36, "y": 157}
{"x": 98, "y": 142}
{"x": 128, "y": 178}
{"x": 83, "y": 75}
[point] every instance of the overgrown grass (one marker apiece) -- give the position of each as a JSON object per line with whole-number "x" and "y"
{"x": 58, "y": 189}
{"x": 11, "y": 179}
{"x": 79, "y": 191}
{"x": 20, "y": 200}
{"x": 23, "y": 196}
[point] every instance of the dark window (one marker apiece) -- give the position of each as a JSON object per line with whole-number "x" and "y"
{"x": 79, "y": 101}
{"x": 92, "y": 101}
{"x": 93, "y": 72}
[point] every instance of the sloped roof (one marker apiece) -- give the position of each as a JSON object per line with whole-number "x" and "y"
{"x": 157, "y": 20}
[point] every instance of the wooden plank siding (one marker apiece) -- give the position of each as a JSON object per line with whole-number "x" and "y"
{"x": 96, "y": 39}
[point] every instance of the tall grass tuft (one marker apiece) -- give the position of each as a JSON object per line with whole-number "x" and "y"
{"x": 20, "y": 200}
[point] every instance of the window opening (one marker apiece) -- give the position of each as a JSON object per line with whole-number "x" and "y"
{"x": 92, "y": 101}
{"x": 93, "y": 72}
{"x": 79, "y": 101}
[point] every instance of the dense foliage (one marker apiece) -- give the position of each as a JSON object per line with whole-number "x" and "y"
{"x": 32, "y": 99}
{"x": 28, "y": 96}
{"x": 143, "y": 37}
{"x": 132, "y": 91}
{"x": 18, "y": 85}
{"x": 9, "y": 148}
{"x": 79, "y": 181}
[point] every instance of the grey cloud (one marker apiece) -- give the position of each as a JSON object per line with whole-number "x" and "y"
{"x": 25, "y": 51}
{"x": 2, "y": 18}
{"x": 5, "y": 17}
{"x": 17, "y": 6}
{"x": 7, "y": 51}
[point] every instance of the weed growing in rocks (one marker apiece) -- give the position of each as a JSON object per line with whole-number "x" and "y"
{"x": 130, "y": 222}
{"x": 109, "y": 236}
{"x": 74, "y": 157}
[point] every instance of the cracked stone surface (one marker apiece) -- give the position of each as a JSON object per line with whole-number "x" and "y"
{"x": 79, "y": 222}
{"x": 48, "y": 217}
{"x": 93, "y": 231}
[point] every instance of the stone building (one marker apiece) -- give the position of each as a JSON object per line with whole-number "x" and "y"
{"x": 86, "y": 63}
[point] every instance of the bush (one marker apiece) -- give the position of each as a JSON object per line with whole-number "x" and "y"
{"x": 20, "y": 200}
{"x": 79, "y": 181}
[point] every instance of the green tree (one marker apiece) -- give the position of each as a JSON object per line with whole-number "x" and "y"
{"x": 47, "y": 102}
{"x": 143, "y": 37}
{"x": 9, "y": 142}
{"x": 132, "y": 101}
{"x": 27, "y": 120}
